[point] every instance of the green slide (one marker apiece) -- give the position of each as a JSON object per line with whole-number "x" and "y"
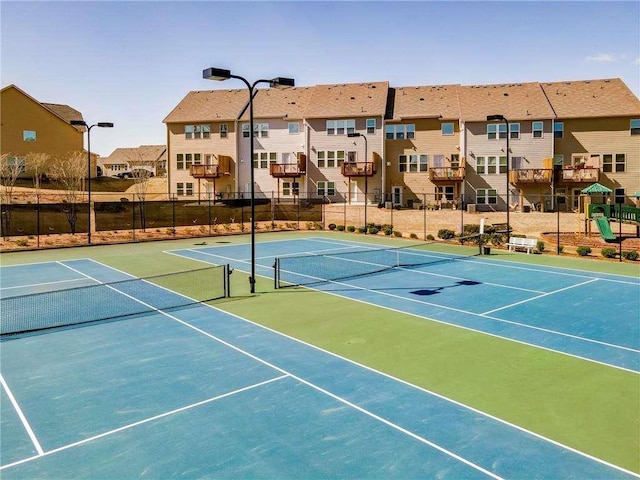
{"x": 605, "y": 229}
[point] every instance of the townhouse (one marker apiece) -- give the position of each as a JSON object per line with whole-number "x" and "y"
{"x": 124, "y": 162}
{"x": 372, "y": 142}
{"x": 29, "y": 126}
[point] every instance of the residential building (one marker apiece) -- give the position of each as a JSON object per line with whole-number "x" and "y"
{"x": 30, "y": 126}
{"x": 596, "y": 136}
{"x": 422, "y": 138}
{"x": 530, "y": 119}
{"x": 123, "y": 162}
{"x": 202, "y": 143}
{"x": 340, "y": 167}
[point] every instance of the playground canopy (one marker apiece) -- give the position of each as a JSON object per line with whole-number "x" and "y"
{"x": 597, "y": 188}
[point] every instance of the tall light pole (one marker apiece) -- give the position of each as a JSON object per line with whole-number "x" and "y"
{"x": 366, "y": 175}
{"x": 89, "y": 127}
{"x": 221, "y": 75}
{"x": 501, "y": 118}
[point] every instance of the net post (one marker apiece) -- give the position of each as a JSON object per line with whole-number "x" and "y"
{"x": 227, "y": 281}
{"x": 276, "y": 272}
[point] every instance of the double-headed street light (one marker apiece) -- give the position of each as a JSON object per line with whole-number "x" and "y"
{"x": 221, "y": 75}
{"x": 366, "y": 174}
{"x": 501, "y": 118}
{"x": 89, "y": 127}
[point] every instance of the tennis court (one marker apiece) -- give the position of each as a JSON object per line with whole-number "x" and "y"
{"x": 163, "y": 385}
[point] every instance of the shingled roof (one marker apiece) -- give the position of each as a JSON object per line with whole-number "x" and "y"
{"x": 143, "y": 153}
{"x": 278, "y": 103}
{"x": 426, "y": 102}
{"x": 347, "y": 100}
{"x": 517, "y": 101}
{"x": 591, "y": 98}
{"x": 208, "y": 106}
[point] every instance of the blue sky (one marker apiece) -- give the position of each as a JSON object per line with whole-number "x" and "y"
{"x": 131, "y": 62}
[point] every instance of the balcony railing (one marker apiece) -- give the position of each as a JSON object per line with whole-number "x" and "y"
{"x": 207, "y": 171}
{"x": 358, "y": 169}
{"x": 446, "y": 174}
{"x": 531, "y": 175}
{"x": 580, "y": 174}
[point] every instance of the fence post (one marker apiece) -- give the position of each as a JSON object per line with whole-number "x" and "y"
{"x": 133, "y": 219}
{"x": 173, "y": 214}
{"x": 38, "y": 219}
{"x": 424, "y": 213}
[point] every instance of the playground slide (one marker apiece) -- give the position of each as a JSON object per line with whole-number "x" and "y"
{"x": 605, "y": 229}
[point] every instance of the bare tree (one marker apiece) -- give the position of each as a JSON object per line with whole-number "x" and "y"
{"x": 36, "y": 161}
{"x": 10, "y": 168}
{"x": 70, "y": 173}
{"x": 141, "y": 175}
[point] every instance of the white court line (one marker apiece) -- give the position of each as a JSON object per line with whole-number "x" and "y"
{"x": 142, "y": 422}
{"x": 540, "y": 296}
{"x": 23, "y": 419}
{"x": 404, "y": 382}
{"x": 58, "y": 282}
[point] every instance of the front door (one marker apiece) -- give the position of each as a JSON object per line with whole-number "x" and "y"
{"x": 354, "y": 191}
{"x": 397, "y": 196}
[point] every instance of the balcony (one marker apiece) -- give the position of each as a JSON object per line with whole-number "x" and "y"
{"x": 446, "y": 174}
{"x": 214, "y": 170}
{"x": 289, "y": 170}
{"x": 580, "y": 175}
{"x": 358, "y": 169}
{"x": 538, "y": 176}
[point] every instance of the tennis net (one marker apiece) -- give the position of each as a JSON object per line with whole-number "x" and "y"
{"x": 330, "y": 267}
{"x": 105, "y": 301}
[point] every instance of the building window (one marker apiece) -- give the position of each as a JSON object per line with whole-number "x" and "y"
{"x": 400, "y": 132}
{"x": 635, "y": 126}
{"x": 481, "y": 165}
{"x": 224, "y": 130}
{"x": 290, "y": 188}
{"x": 503, "y": 164}
{"x": 261, "y": 130}
{"x": 455, "y": 160}
{"x": 447, "y": 128}
{"x": 180, "y": 161}
{"x": 294, "y": 128}
{"x": 486, "y": 196}
{"x": 184, "y": 189}
{"x": 340, "y": 127}
{"x": 558, "y": 160}
{"x": 537, "y": 128}
{"x": 613, "y": 163}
{"x": 371, "y": 125}
{"x": 197, "y": 158}
{"x": 331, "y": 159}
{"x": 326, "y": 189}
{"x": 498, "y": 130}
{"x": 197, "y": 131}
{"x": 29, "y": 135}
{"x": 245, "y": 130}
{"x": 444, "y": 193}
{"x": 412, "y": 163}
{"x": 514, "y": 131}
{"x": 558, "y": 130}
{"x": 264, "y": 159}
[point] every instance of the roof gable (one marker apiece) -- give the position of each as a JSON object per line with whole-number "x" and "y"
{"x": 143, "y": 153}
{"x": 280, "y": 103}
{"x": 348, "y": 100}
{"x": 592, "y": 98}
{"x": 517, "y": 101}
{"x": 426, "y": 102}
{"x": 209, "y": 106}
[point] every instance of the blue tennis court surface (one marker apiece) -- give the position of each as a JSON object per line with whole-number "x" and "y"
{"x": 196, "y": 392}
{"x": 589, "y": 315}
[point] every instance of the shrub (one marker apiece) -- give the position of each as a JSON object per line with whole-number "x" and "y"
{"x": 413, "y": 236}
{"x": 362, "y": 229}
{"x": 608, "y": 252}
{"x": 630, "y": 255}
{"x": 397, "y": 233}
{"x": 446, "y": 234}
{"x": 540, "y": 246}
{"x": 387, "y": 229}
{"x": 583, "y": 250}
{"x": 430, "y": 237}
{"x": 332, "y": 226}
{"x": 351, "y": 228}
{"x": 560, "y": 248}
{"x": 340, "y": 228}
{"x": 373, "y": 230}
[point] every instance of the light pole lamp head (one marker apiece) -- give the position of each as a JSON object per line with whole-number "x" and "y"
{"x": 283, "y": 82}
{"x": 494, "y": 118}
{"x": 105, "y": 124}
{"x": 354, "y": 134}
{"x": 213, "y": 73}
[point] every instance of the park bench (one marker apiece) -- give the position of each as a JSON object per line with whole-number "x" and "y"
{"x": 524, "y": 243}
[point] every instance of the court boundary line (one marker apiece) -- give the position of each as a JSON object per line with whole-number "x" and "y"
{"x": 404, "y": 382}
{"x": 41, "y": 284}
{"x": 142, "y": 422}
{"x": 21, "y": 416}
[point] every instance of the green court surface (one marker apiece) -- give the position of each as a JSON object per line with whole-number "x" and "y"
{"x": 584, "y": 405}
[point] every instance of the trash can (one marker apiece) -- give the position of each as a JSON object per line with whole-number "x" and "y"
{"x": 486, "y": 250}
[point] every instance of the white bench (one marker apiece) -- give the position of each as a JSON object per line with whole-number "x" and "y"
{"x": 519, "y": 242}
